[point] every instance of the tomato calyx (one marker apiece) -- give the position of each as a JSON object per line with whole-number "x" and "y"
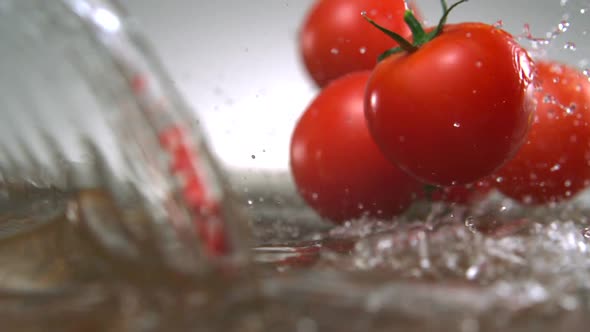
{"x": 420, "y": 36}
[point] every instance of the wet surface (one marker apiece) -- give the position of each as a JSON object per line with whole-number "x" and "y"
{"x": 78, "y": 261}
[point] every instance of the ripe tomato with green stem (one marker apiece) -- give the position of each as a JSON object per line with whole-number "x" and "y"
{"x": 453, "y": 105}
{"x": 337, "y": 167}
{"x": 554, "y": 163}
{"x": 335, "y": 39}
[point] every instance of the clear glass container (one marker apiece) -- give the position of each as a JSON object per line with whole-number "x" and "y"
{"x": 92, "y": 129}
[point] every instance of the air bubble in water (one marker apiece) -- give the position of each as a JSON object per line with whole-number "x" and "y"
{"x": 470, "y": 224}
{"x": 472, "y": 272}
{"x": 586, "y": 232}
{"x": 250, "y": 202}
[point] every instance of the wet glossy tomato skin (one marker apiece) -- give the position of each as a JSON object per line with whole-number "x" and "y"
{"x": 456, "y": 109}
{"x": 554, "y": 163}
{"x": 335, "y": 39}
{"x": 337, "y": 167}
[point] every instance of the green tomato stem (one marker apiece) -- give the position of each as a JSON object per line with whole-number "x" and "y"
{"x": 443, "y": 19}
{"x": 403, "y": 43}
{"x": 416, "y": 28}
{"x": 420, "y": 37}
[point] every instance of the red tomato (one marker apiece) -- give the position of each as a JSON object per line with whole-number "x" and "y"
{"x": 336, "y": 165}
{"x": 455, "y": 109}
{"x": 554, "y": 163}
{"x": 462, "y": 194}
{"x": 336, "y": 40}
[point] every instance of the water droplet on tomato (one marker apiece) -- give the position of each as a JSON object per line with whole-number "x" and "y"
{"x": 315, "y": 196}
{"x": 570, "y": 109}
{"x": 468, "y": 35}
{"x": 573, "y": 139}
{"x": 479, "y": 64}
{"x": 363, "y": 50}
{"x": 402, "y": 138}
{"x": 456, "y": 125}
{"x": 549, "y": 99}
{"x": 361, "y": 206}
{"x": 364, "y": 13}
{"x": 578, "y": 88}
{"x": 374, "y": 12}
{"x": 567, "y": 183}
{"x": 334, "y": 51}
{"x": 555, "y": 168}
{"x": 474, "y": 91}
{"x": 528, "y": 199}
{"x": 499, "y": 179}
{"x": 555, "y": 80}
{"x": 586, "y": 72}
